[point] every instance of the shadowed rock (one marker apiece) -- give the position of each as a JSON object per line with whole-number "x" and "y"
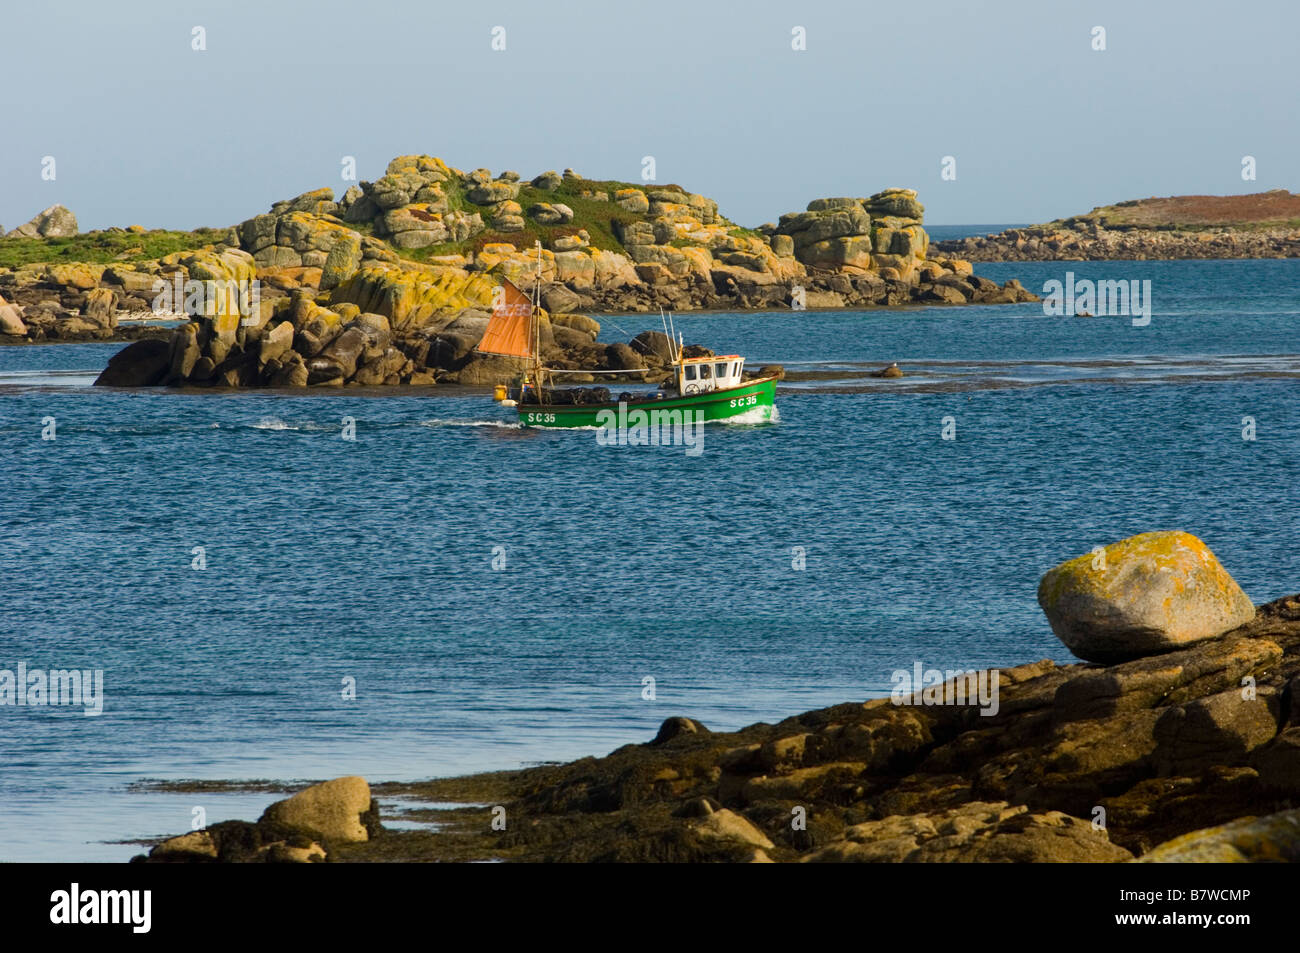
{"x": 142, "y": 364}
{"x": 1275, "y": 839}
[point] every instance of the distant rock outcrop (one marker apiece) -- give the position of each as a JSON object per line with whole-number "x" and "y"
{"x": 1262, "y": 225}
{"x": 408, "y": 244}
{"x": 55, "y": 222}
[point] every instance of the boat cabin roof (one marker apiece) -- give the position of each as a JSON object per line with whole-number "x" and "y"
{"x": 716, "y": 357}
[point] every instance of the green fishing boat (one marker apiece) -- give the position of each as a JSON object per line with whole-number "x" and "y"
{"x": 751, "y": 400}
{"x": 701, "y": 388}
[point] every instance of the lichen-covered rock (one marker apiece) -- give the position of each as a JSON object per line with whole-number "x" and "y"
{"x": 632, "y": 200}
{"x": 833, "y": 237}
{"x": 462, "y": 225}
{"x": 1151, "y": 593}
{"x": 728, "y": 825}
{"x": 974, "y": 833}
{"x": 185, "y": 352}
{"x": 490, "y": 193}
{"x": 196, "y": 845}
{"x": 79, "y": 275}
{"x": 1275, "y": 838}
{"x": 817, "y": 225}
{"x": 413, "y": 294}
{"x": 578, "y": 322}
{"x": 276, "y": 342}
{"x": 635, "y": 233}
{"x": 545, "y": 213}
{"x": 895, "y": 202}
{"x": 821, "y": 205}
{"x": 318, "y": 202}
{"x": 331, "y": 811}
{"x": 505, "y": 219}
{"x": 395, "y": 190}
{"x": 414, "y": 226}
{"x": 100, "y": 308}
{"x": 429, "y": 168}
{"x": 840, "y": 253}
{"x": 342, "y": 262}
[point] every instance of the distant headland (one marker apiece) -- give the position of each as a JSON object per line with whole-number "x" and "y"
{"x": 1262, "y": 225}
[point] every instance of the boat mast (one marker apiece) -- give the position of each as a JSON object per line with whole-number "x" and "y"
{"x": 537, "y": 324}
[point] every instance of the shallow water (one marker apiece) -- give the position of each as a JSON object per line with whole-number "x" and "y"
{"x": 374, "y": 560}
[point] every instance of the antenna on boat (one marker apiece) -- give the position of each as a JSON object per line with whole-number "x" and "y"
{"x": 538, "y": 369}
{"x": 666, "y": 320}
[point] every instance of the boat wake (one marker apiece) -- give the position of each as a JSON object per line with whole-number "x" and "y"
{"x": 759, "y": 415}
{"x": 501, "y": 424}
{"x": 274, "y": 423}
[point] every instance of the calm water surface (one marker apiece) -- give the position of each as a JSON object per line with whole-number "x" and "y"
{"x": 373, "y": 560}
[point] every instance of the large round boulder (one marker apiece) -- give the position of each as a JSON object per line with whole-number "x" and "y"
{"x": 331, "y": 811}
{"x": 1144, "y": 595}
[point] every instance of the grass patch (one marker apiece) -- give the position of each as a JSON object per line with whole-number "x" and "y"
{"x": 597, "y": 217}
{"x": 104, "y": 247}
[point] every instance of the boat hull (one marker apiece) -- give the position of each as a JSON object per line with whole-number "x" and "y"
{"x": 752, "y": 397}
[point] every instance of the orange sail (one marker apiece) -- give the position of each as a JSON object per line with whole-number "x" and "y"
{"x": 509, "y": 333}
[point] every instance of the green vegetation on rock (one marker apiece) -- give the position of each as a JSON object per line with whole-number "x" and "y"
{"x": 104, "y": 247}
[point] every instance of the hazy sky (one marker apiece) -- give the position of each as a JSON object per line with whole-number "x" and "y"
{"x": 146, "y": 130}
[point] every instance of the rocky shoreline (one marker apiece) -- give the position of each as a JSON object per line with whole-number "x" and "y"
{"x": 1265, "y": 225}
{"x": 423, "y": 249}
{"x": 1186, "y": 750}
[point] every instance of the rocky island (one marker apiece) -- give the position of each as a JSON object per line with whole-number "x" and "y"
{"x": 391, "y": 282}
{"x": 1182, "y": 745}
{"x": 1263, "y": 225}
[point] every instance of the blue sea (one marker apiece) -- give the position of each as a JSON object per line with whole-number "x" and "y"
{"x": 500, "y": 597}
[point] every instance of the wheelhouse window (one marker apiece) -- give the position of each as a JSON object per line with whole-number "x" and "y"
{"x": 704, "y": 372}
{"x": 690, "y": 372}
{"x": 721, "y": 369}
